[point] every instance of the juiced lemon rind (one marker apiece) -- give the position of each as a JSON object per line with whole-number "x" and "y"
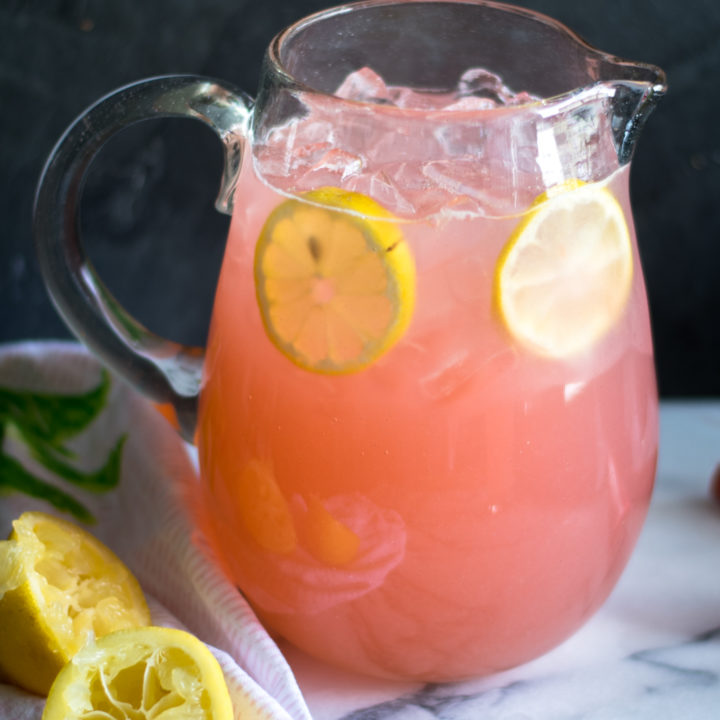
{"x": 141, "y": 673}
{"x": 59, "y": 587}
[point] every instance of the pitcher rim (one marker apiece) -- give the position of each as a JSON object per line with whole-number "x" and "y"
{"x": 655, "y": 87}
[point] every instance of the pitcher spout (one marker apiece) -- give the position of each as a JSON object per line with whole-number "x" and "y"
{"x": 635, "y": 89}
{"x": 632, "y": 104}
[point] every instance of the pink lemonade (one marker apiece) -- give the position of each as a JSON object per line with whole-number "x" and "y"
{"x": 459, "y": 506}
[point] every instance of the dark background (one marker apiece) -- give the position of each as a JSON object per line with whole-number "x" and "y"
{"x": 148, "y": 217}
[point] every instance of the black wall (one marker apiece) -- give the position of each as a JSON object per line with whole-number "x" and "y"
{"x": 148, "y": 219}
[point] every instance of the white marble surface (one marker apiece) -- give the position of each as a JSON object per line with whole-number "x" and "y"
{"x": 651, "y": 653}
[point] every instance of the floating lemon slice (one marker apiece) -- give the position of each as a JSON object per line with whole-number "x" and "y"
{"x": 335, "y": 280}
{"x": 142, "y": 673}
{"x": 59, "y": 586}
{"x": 564, "y": 277}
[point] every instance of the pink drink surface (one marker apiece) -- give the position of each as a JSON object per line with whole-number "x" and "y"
{"x": 460, "y": 506}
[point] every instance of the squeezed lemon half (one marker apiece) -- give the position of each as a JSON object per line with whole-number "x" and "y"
{"x": 564, "y": 277}
{"x": 59, "y": 586}
{"x": 335, "y": 280}
{"x": 150, "y": 672}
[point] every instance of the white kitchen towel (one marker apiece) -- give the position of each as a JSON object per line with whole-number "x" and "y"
{"x": 145, "y": 521}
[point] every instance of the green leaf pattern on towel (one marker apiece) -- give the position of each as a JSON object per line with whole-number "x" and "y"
{"x": 44, "y": 422}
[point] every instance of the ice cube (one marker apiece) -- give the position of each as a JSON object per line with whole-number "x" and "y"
{"x": 459, "y": 176}
{"x": 333, "y": 168}
{"x": 522, "y": 98}
{"x": 481, "y": 83}
{"x": 472, "y": 103}
{"x": 460, "y": 367}
{"x": 416, "y": 164}
{"x": 418, "y": 99}
{"x": 379, "y": 186}
{"x": 364, "y": 85}
{"x": 426, "y": 197}
{"x": 294, "y": 147}
{"x": 450, "y": 378}
{"x": 470, "y": 186}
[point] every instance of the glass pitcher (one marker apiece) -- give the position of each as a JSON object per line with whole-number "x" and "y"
{"x": 427, "y": 411}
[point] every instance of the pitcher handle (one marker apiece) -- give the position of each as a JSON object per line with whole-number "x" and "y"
{"x": 165, "y": 371}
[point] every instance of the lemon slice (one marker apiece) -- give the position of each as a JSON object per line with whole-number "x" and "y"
{"x": 263, "y": 510}
{"x": 564, "y": 277}
{"x": 150, "y": 672}
{"x": 58, "y": 587}
{"x": 328, "y": 539}
{"x": 335, "y": 280}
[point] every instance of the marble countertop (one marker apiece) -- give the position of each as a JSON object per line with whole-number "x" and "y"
{"x": 651, "y": 653}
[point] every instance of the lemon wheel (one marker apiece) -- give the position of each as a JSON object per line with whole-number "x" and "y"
{"x": 335, "y": 280}
{"x": 141, "y": 673}
{"x": 564, "y": 277}
{"x": 59, "y": 586}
